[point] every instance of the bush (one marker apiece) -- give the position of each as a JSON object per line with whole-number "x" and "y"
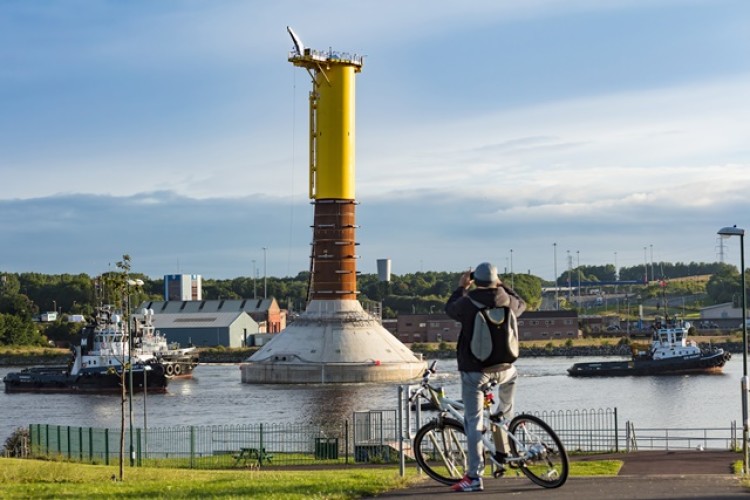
{"x": 17, "y": 445}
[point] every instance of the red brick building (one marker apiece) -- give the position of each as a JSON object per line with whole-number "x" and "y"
{"x": 533, "y": 325}
{"x": 427, "y": 328}
{"x": 548, "y": 325}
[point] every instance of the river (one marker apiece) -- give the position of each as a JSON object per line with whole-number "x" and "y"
{"x": 215, "y": 396}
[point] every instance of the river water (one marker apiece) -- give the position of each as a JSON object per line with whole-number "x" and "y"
{"x": 215, "y": 396}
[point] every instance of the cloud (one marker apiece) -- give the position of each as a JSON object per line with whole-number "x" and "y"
{"x": 178, "y": 133}
{"x": 165, "y": 232}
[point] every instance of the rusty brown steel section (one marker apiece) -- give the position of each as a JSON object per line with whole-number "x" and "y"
{"x": 334, "y": 259}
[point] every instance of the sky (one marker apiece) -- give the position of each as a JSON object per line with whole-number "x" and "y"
{"x": 534, "y": 134}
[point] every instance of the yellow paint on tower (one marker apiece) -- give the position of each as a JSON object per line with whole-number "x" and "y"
{"x": 335, "y": 143}
{"x": 332, "y": 131}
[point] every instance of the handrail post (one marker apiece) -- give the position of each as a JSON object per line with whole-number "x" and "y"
{"x": 192, "y": 445}
{"x": 260, "y": 446}
{"x": 617, "y": 435}
{"x": 401, "y": 463}
{"x": 138, "y": 460}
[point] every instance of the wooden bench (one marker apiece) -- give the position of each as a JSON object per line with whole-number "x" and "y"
{"x": 254, "y": 454}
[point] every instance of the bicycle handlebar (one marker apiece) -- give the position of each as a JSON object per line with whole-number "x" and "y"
{"x": 429, "y": 371}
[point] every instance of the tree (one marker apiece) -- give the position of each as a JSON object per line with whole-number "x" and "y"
{"x": 17, "y": 445}
{"x": 724, "y": 286}
{"x": 17, "y": 330}
{"x": 18, "y": 305}
{"x": 62, "y": 330}
{"x": 114, "y": 285}
{"x": 528, "y": 286}
{"x": 9, "y": 284}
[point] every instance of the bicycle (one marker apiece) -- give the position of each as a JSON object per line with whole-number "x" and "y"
{"x": 440, "y": 444}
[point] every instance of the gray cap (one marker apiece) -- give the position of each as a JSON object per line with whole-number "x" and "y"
{"x": 486, "y": 275}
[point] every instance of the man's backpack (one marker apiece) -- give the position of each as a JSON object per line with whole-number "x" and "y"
{"x": 495, "y": 337}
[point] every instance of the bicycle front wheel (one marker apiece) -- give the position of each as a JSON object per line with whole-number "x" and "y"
{"x": 545, "y": 461}
{"x": 440, "y": 450}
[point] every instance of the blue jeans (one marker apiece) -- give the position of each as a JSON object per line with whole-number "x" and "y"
{"x": 473, "y": 399}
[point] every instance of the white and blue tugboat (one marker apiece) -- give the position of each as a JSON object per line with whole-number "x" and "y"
{"x": 99, "y": 359}
{"x": 149, "y": 343}
{"x": 670, "y": 353}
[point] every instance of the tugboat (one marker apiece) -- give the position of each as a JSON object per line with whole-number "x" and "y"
{"x": 670, "y": 353}
{"x": 99, "y": 359}
{"x": 149, "y": 343}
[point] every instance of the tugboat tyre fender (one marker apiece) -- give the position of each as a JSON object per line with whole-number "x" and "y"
{"x": 169, "y": 369}
{"x": 177, "y": 369}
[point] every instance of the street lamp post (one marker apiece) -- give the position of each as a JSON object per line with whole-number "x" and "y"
{"x": 557, "y": 302}
{"x": 616, "y": 273}
{"x": 265, "y": 288}
{"x": 255, "y": 295}
{"x": 578, "y": 268}
{"x": 726, "y": 232}
{"x": 570, "y": 272}
{"x": 652, "y": 261}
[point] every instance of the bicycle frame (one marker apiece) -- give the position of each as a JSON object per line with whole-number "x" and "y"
{"x": 454, "y": 408}
{"x": 534, "y": 448}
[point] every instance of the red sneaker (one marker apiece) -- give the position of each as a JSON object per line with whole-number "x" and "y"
{"x": 468, "y": 484}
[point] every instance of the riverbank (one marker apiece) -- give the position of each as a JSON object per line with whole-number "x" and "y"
{"x": 571, "y": 351}
{"x": 47, "y": 356}
{"x": 596, "y": 348}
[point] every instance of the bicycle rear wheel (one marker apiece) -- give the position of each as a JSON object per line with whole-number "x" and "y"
{"x": 440, "y": 450}
{"x": 545, "y": 460}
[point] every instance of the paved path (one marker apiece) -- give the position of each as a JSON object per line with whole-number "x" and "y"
{"x": 644, "y": 476}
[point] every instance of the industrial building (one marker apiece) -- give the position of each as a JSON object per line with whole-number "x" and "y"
{"x": 228, "y": 329}
{"x": 229, "y": 323}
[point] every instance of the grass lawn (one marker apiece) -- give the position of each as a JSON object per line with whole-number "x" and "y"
{"x": 37, "y": 479}
{"x": 41, "y": 479}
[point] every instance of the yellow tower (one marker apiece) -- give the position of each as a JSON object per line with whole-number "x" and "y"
{"x": 334, "y": 340}
{"x": 332, "y": 166}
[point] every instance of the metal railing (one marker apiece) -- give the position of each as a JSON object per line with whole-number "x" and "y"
{"x": 716, "y": 438}
{"x": 587, "y": 430}
{"x": 381, "y": 436}
{"x": 199, "y": 446}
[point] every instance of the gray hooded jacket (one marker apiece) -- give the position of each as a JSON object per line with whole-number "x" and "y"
{"x": 460, "y": 308}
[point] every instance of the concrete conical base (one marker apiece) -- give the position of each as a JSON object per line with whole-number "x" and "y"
{"x": 333, "y": 341}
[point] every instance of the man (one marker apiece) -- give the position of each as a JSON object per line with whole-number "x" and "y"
{"x": 490, "y": 291}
